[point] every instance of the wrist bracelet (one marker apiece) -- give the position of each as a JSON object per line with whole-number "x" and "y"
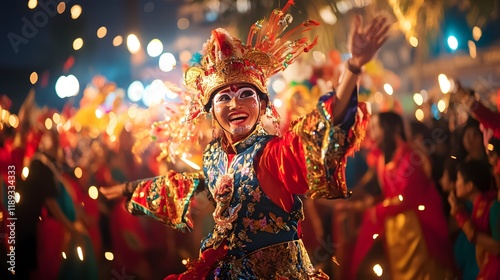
{"x": 355, "y": 70}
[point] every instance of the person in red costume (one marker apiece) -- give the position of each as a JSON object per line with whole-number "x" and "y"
{"x": 253, "y": 178}
{"x": 480, "y": 227}
{"x": 410, "y": 219}
{"x": 488, "y": 118}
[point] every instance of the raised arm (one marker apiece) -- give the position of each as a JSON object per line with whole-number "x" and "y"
{"x": 364, "y": 42}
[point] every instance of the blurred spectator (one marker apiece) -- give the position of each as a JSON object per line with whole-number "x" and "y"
{"x": 464, "y": 251}
{"x": 49, "y": 218}
{"x": 474, "y": 184}
{"x": 488, "y": 118}
{"x": 410, "y": 220}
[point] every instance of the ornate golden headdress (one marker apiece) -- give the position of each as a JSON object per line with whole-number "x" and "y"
{"x": 225, "y": 60}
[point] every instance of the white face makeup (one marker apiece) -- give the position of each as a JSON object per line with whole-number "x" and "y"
{"x": 237, "y": 108}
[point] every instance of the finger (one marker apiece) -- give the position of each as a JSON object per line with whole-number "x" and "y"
{"x": 372, "y": 27}
{"x": 381, "y": 32}
{"x": 359, "y": 23}
{"x": 382, "y": 20}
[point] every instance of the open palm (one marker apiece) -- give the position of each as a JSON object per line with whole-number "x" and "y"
{"x": 364, "y": 41}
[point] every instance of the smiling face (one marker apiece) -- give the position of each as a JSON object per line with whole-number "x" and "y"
{"x": 237, "y": 108}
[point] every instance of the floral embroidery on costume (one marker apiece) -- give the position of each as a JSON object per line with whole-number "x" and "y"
{"x": 243, "y": 211}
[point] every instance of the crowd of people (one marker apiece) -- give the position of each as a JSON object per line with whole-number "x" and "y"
{"x": 415, "y": 200}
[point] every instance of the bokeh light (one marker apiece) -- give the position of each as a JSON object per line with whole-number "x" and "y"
{"x": 133, "y": 44}
{"x": 75, "y": 11}
{"x": 101, "y": 32}
{"x": 154, "y": 48}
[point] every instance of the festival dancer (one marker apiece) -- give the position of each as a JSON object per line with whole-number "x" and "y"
{"x": 253, "y": 178}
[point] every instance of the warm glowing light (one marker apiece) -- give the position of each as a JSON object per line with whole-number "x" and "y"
{"x": 400, "y": 197}
{"x": 61, "y": 7}
{"x": 378, "y": 270}
{"x": 327, "y": 15}
{"x": 17, "y": 197}
{"x": 419, "y": 115}
{"x": 93, "y": 192}
{"x": 32, "y": 4}
{"x": 56, "y": 118}
{"x": 75, "y": 11}
{"x": 413, "y": 41}
{"x": 133, "y": 44}
{"x": 441, "y": 105}
{"x": 476, "y": 33}
{"x": 278, "y": 103}
{"x": 444, "y": 83}
{"x": 59, "y": 127}
{"x": 472, "y": 49}
{"x": 406, "y": 25}
{"x": 421, "y": 207}
{"x": 13, "y": 121}
{"x": 184, "y": 262}
{"x": 118, "y": 40}
{"x": 77, "y": 44}
{"x": 453, "y": 157}
{"x": 183, "y": 23}
{"x": 102, "y": 31}
{"x": 375, "y": 236}
{"x": 64, "y": 255}
{"x": 490, "y": 147}
{"x": 34, "y": 78}
{"x": 419, "y": 100}
{"x": 112, "y": 138}
{"x": 5, "y": 115}
{"x": 190, "y": 163}
{"x": 78, "y": 172}
{"x": 167, "y": 62}
{"x": 99, "y": 113}
{"x": 48, "y": 123}
{"x": 388, "y": 89}
{"x": 67, "y": 125}
{"x": 109, "y": 256}
{"x": 25, "y": 173}
{"x": 80, "y": 252}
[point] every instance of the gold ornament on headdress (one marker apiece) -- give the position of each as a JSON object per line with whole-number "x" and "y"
{"x": 269, "y": 49}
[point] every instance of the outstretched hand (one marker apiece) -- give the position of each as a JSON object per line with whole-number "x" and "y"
{"x": 113, "y": 192}
{"x": 364, "y": 41}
